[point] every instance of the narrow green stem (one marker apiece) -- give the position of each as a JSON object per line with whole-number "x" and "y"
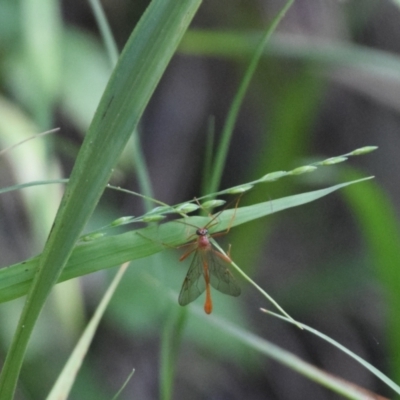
{"x": 238, "y": 100}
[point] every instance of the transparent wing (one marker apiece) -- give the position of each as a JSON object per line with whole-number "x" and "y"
{"x": 194, "y": 283}
{"x": 220, "y": 276}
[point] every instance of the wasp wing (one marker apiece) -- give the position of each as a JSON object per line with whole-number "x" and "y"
{"x": 220, "y": 276}
{"x": 194, "y": 283}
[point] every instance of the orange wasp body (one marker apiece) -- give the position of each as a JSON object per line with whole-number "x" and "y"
{"x": 208, "y": 267}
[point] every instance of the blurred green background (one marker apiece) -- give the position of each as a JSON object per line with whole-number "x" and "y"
{"x": 328, "y": 83}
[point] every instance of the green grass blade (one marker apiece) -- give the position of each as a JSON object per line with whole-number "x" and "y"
{"x": 31, "y": 184}
{"x": 43, "y": 55}
{"x": 105, "y": 31}
{"x": 379, "y": 225}
{"x": 112, "y": 51}
{"x": 171, "y": 340}
{"x": 333, "y": 342}
{"x": 27, "y": 140}
{"x": 373, "y": 64}
{"x": 233, "y": 45}
{"x": 110, "y": 251}
{"x": 66, "y": 379}
{"x": 115, "y": 397}
{"x": 338, "y": 385}
{"x": 140, "y": 67}
{"x": 238, "y": 100}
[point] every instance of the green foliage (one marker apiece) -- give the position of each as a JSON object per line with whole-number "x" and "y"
{"x": 152, "y": 45}
{"x": 146, "y": 302}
